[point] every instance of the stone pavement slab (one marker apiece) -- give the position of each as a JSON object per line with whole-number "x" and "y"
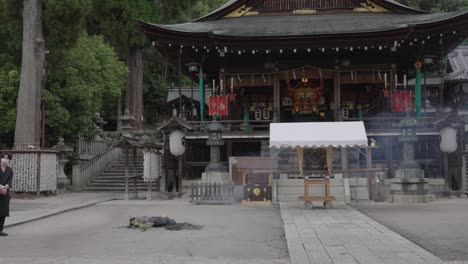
{"x": 440, "y": 227}
{"x": 343, "y": 235}
{"x": 24, "y": 211}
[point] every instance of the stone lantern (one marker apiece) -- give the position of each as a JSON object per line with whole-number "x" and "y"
{"x": 62, "y": 151}
{"x": 409, "y": 184}
{"x": 215, "y": 171}
{"x": 98, "y": 126}
{"x": 408, "y": 137}
{"x": 215, "y": 142}
{"x": 125, "y": 121}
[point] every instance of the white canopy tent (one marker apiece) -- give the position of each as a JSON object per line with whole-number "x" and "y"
{"x": 327, "y": 135}
{"x": 318, "y": 135}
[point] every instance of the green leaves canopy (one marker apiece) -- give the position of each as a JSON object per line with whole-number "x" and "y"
{"x": 87, "y": 80}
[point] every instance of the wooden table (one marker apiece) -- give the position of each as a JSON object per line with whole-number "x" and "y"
{"x": 308, "y": 198}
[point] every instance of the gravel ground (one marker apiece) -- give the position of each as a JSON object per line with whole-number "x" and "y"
{"x": 97, "y": 235}
{"x": 441, "y": 227}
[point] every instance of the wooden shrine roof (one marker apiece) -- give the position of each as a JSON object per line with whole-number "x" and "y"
{"x": 307, "y": 25}
{"x": 252, "y": 7}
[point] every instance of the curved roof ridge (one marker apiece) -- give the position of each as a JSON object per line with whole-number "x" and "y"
{"x": 232, "y": 5}
{"x": 396, "y": 3}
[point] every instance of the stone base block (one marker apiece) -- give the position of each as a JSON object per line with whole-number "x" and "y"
{"x": 216, "y": 176}
{"x": 409, "y": 186}
{"x": 409, "y": 173}
{"x": 396, "y": 198}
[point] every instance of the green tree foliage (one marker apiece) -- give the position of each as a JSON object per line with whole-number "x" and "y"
{"x": 117, "y": 20}
{"x": 83, "y": 72}
{"x": 11, "y": 29}
{"x": 63, "y": 21}
{"x": 87, "y": 80}
{"x": 9, "y": 83}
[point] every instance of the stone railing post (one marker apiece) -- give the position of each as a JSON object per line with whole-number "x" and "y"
{"x": 76, "y": 178}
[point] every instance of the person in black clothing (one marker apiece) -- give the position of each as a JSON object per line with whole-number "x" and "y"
{"x": 6, "y": 178}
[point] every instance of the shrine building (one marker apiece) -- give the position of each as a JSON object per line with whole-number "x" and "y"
{"x": 285, "y": 61}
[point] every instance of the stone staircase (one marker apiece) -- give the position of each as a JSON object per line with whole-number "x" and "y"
{"x": 113, "y": 178}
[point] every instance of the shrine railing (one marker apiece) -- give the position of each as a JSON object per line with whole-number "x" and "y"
{"x": 235, "y": 125}
{"x": 85, "y": 172}
{"x": 89, "y": 148}
{"x": 384, "y": 122}
{"x": 269, "y": 5}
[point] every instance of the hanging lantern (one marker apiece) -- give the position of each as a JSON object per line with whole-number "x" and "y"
{"x": 258, "y": 113}
{"x": 266, "y": 114}
{"x": 448, "y": 140}
{"x": 194, "y": 111}
{"x": 177, "y": 143}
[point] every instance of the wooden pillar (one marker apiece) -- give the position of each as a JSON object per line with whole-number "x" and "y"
{"x": 393, "y": 86}
{"x": 463, "y": 173}
{"x": 344, "y": 160}
{"x": 448, "y": 180}
{"x": 179, "y": 178}
{"x": 389, "y": 156}
{"x": 135, "y": 174}
{"x": 369, "y": 159}
{"x": 126, "y": 173}
{"x": 337, "y": 95}
{"x": 276, "y": 97}
{"x": 228, "y": 149}
{"x": 369, "y": 173}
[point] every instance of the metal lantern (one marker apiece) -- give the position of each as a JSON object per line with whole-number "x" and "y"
{"x": 177, "y": 143}
{"x": 194, "y": 111}
{"x": 192, "y": 67}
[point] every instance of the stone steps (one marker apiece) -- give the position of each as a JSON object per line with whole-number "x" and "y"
{"x": 113, "y": 179}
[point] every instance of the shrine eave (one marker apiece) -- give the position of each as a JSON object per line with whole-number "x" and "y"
{"x": 309, "y": 29}
{"x": 232, "y": 5}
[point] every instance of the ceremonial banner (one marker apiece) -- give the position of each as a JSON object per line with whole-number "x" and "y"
{"x": 402, "y": 102}
{"x": 214, "y": 105}
{"x": 407, "y": 102}
{"x": 397, "y": 102}
{"x": 232, "y": 97}
{"x": 223, "y": 106}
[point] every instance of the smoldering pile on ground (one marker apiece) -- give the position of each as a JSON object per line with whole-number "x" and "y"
{"x": 144, "y": 223}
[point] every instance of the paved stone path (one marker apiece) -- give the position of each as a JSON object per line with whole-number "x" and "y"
{"x": 23, "y": 211}
{"x": 343, "y": 235}
{"x": 232, "y": 234}
{"x": 340, "y": 235}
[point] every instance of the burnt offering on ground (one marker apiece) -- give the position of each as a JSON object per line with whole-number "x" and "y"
{"x": 145, "y": 223}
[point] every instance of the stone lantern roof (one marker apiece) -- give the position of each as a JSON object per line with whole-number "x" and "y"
{"x": 61, "y": 147}
{"x": 215, "y": 126}
{"x": 408, "y": 122}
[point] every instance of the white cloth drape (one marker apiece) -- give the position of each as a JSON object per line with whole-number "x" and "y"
{"x": 151, "y": 165}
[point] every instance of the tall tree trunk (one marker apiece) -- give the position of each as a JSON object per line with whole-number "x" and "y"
{"x": 135, "y": 86}
{"x": 32, "y": 72}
